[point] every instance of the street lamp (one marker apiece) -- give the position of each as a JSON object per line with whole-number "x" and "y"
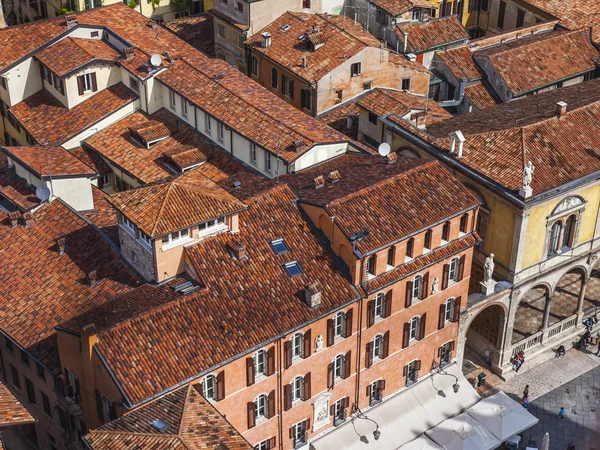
{"x": 361, "y": 415}
{"x": 435, "y": 366}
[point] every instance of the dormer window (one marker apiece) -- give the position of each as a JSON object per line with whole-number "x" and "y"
{"x": 279, "y": 246}
{"x": 145, "y": 239}
{"x": 128, "y": 224}
{"x": 293, "y": 268}
{"x": 211, "y": 226}
{"x": 86, "y": 83}
{"x": 176, "y": 238}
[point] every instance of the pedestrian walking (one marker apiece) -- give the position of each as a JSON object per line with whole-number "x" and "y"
{"x": 560, "y": 351}
{"x": 525, "y": 402}
{"x": 562, "y": 413}
{"x": 526, "y": 392}
{"x": 598, "y": 344}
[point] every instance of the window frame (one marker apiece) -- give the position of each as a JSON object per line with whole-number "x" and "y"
{"x": 356, "y": 69}
{"x": 378, "y": 305}
{"x": 377, "y": 347}
{"x": 253, "y": 153}
{"x": 448, "y": 306}
{"x": 87, "y": 82}
{"x": 260, "y": 363}
{"x": 173, "y": 98}
{"x": 297, "y": 342}
{"x": 209, "y": 387}
{"x": 261, "y": 404}
{"x": 297, "y": 388}
{"x": 15, "y": 377}
{"x": 338, "y": 366}
{"x": 413, "y": 332}
{"x": 274, "y": 78}
{"x": 372, "y": 118}
{"x": 412, "y": 373}
{"x": 339, "y": 322}
{"x": 268, "y": 162}
{"x": 239, "y": 9}
{"x": 417, "y": 287}
{"x": 253, "y": 65}
{"x": 453, "y": 270}
{"x": 403, "y": 82}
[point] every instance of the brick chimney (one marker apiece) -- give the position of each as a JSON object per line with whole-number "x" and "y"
{"x": 27, "y": 219}
{"x": 334, "y": 176}
{"x": 128, "y": 53}
{"x": 319, "y": 182}
{"x": 299, "y": 145}
{"x": 61, "y": 244}
{"x": 392, "y": 158}
{"x": 13, "y": 218}
{"x": 70, "y": 20}
{"x": 561, "y": 109}
{"x": 93, "y": 278}
{"x": 237, "y": 249}
{"x": 266, "y": 39}
{"x": 312, "y": 294}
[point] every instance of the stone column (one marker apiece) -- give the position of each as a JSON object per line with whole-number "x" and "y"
{"x": 579, "y": 310}
{"x": 518, "y": 244}
{"x": 546, "y": 313}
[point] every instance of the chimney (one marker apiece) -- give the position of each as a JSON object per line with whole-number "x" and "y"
{"x": 224, "y": 327}
{"x": 27, "y": 219}
{"x": 128, "y": 53}
{"x": 319, "y": 182}
{"x": 299, "y": 145}
{"x": 13, "y": 218}
{"x": 312, "y": 294}
{"x": 304, "y": 63}
{"x": 391, "y": 158}
{"x": 70, "y": 20}
{"x": 315, "y": 29}
{"x": 61, "y": 244}
{"x": 349, "y": 121}
{"x": 405, "y": 41}
{"x": 561, "y": 109}
{"x": 266, "y": 39}
{"x": 237, "y": 249}
{"x": 335, "y": 176}
{"x": 454, "y": 137}
{"x": 93, "y": 278}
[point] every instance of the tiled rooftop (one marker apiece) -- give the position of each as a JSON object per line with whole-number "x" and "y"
{"x": 435, "y": 33}
{"x": 12, "y": 411}
{"x": 197, "y": 31}
{"x": 70, "y": 54}
{"x": 91, "y": 159}
{"x": 230, "y": 20}
{"x": 336, "y": 118}
{"x": 394, "y": 7}
{"x": 123, "y": 144}
{"x": 187, "y": 200}
{"x": 480, "y": 95}
{"x": 49, "y": 162}
{"x": 15, "y": 189}
{"x": 50, "y": 123}
{"x": 193, "y": 423}
{"x": 103, "y": 215}
{"x": 255, "y": 290}
{"x": 461, "y": 63}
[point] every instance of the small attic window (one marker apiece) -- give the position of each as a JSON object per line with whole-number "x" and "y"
{"x": 159, "y": 425}
{"x": 279, "y": 246}
{"x": 293, "y": 268}
{"x": 284, "y": 28}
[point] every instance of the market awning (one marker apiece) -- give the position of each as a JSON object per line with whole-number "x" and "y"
{"x": 503, "y": 416}
{"x": 463, "y": 432}
{"x": 421, "y": 443}
{"x": 406, "y": 416}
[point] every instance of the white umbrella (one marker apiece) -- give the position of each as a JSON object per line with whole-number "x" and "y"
{"x": 546, "y": 442}
{"x": 462, "y": 432}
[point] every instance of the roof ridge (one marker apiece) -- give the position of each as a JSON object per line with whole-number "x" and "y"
{"x": 80, "y": 47}
{"x": 343, "y": 30}
{"x": 187, "y": 395}
{"x": 552, "y": 35}
{"x": 162, "y": 206}
{"x": 135, "y": 433}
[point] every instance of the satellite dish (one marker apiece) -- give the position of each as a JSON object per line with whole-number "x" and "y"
{"x": 155, "y": 60}
{"x": 384, "y": 149}
{"x": 43, "y": 193}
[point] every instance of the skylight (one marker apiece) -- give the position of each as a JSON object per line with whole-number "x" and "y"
{"x": 293, "y": 268}
{"x": 279, "y": 246}
{"x": 159, "y": 425}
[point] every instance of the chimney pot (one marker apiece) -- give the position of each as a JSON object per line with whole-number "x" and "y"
{"x": 312, "y": 294}
{"x": 13, "y": 218}
{"x": 27, "y": 219}
{"x": 93, "y": 278}
{"x": 391, "y": 158}
{"x": 266, "y": 39}
{"x": 335, "y": 176}
{"x": 238, "y": 250}
{"x": 304, "y": 63}
{"x": 128, "y": 52}
{"x": 61, "y": 244}
{"x": 561, "y": 109}
{"x": 70, "y": 20}
{"x": 319, "y": 182}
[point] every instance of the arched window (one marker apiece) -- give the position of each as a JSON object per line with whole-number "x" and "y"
{"x": 209, "y": 384}
{"x": 338, "y": 323}
{"x": 260, "y": 404}
{"x": 570, "y": 231}
{"x": 297, "y": 341}
{"x": 274, "y": 78}
{"x": 338, "y": 366}
{"x": 453, "y": 270}
{"x": 371, "y": 263}
{"x": 427, "y": 243}
{"x": 417, "y": 287}
{"x": 377, "y": 346}
{"x": 378, "y": 304}
{"x": 297, "y": 385}
{"x": 260, "y": 358}
{"x": 555, "y": 238}
{"x": 446, "y": 232}
{"x": 391, "y": 256}
{"x": 414, "y": 328}
{"x": 410, "y": 247}
{"x": 253, "y": 65}
{"x": 464, "y": 223}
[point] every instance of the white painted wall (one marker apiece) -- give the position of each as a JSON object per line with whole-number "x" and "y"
{"x": 107, "y": 75}
{"x": 318, "y": 154}
{"x": 23, "y": 80}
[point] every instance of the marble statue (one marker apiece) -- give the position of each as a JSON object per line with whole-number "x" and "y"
{"x": 318, "y": 343}
{"x": 435, "y": 285}
{"x": 488, "y": 268}
{"x": 528, "y": 174}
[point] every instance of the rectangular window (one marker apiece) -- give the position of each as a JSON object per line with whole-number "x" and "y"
{"x": 239, "y": 6}
{"x": 177, "y": 236}
{"x": 16, "y": 381}
{"x": 184, "y": 106}
{"x": 338, "y": 366}
{"x": 412, "y": 372}
{"x": 287, "y": 86}
{"x": 173, "y": 99}
{"x": 40, "y": 371}
{"x": 221, "y": 131}
{"x": 367, "y": 85}
{"x": 146, "y": 239}
{"x": 338, "y": 324}
{"x": 87, "y": 82}
{"x": 254, "y": 65}
{"x": 128, "y": 224}
{"x": 106, "y": 180}
{"x": 7, "y": 342}
{"x": 30, "y": 391}
{"x": 520, "y": 18}
{"x": 279, "y": 246}
{"x": 46, "y": 404}
{"x": 300, "y": 434}
{"x": 253, "y": 152}
{"x": 306, "y": 99}
{"x": 3, "y": 82}
{"x": 339, "y": 411}
{"x": 355, "y": 69}
{"x": 376, "y": 393}
{"x": 24, "y": 358}
{"x": 372, "y": 118}
{"x": 501, "y": 12}
{"x": 406, "y": 84}
{"x": 134, "y": 84}
{"x": 220, "y": 30}
{"x": 268, "y": 163}
{"x": 293, "y": 268}
{"x": 208, "y": 123}
{"x": 297, "y": 345}
{"x": 296, "y": 389}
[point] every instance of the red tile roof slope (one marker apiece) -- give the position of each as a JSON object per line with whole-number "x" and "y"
{"x": 50, "y": 123}
{"x": 12, "y": 411}
{"x": 49, "y": 162}
{"x": 188, "y": 199}
{"x": 41, "y": 289}
{"x": 256, "y": 290}
{"x": 480, "y": 96}
{"x": 531, "y": 63}
{"x": 230, "y": 20}
{"x": 103, "y": 215}
{"x": 461, "y": 63}
{"x": 197, "y": 31}
{"x": 193, "y": 423}
{"x": 337, "y": 117}
{"x": 91, "y": 159}
{"x": 435, "y": 33}
{"x": 394, "y": 7}
{"x": 15, "y": 189}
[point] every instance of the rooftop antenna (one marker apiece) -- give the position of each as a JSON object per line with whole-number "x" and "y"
{"x": 384, "y": 149}
{"x": 155, "y": 60}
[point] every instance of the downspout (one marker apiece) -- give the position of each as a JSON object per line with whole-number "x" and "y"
{"x": 359, "y": 334}
{"x": 280, "y": 394}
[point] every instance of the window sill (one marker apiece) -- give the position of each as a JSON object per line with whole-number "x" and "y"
{"x": 213, "y": 230}
{"x": 407, "y": 259}
{"x": 338, "y": 338}
{"x": 146, "y": 246}
{"x": 127, "y": 230}
{"x": 176, "y": 243}
{"x": 388, "y": 268}
{"x": 296, "y": 359}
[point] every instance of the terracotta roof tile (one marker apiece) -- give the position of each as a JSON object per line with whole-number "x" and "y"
{"x": 197, "y": 31}
{"x": 461, "y": 63}
{"x": 246, "y": 287}
{"x": 480, "y": 95}
{"x": 12, "y": 411}
{"x": 103, "y": 215}
{"x": 15, "y": 189}
{"x": 91, "y": 159}
{"x": 336, "y": 118}
{"x": 50, "y": 123}
{"x": 230, "y": 20}
{"x": 435, "y": 33}
{"x": 49, "y": 162}
{"x": 187, "y": 200}
{"x": 394, "y": 7}
{"x": 193, "y": 423}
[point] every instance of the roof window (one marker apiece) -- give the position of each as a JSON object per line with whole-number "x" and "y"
{"x": 293, "y": 268}
{"x": 279, "y": 246}
{"x": 159, "y": 425}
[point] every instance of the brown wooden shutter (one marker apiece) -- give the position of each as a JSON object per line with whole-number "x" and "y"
{"x": 369, "y": 390}
{"x": 113, "y": 411}
{"x": 94, "y": 82}
{"x": 250, "y": 375}
{"x": 61, "y": 84}
{"x": 386, "y": 345}
{"x": 287, "y": 353}
{"x": 461, "y": 267}
{"x": 287, "y": 397}
{"x": 80, "y": 84}
{"x": 271, "y": 361}
{"x": 381, "y": 385}
{"x": 370, "y": 313}
{"x": 425, "y": 287}
{"x": 347, "y": 364}
{"x": 332, "y": 409}
{"x": 456, "y": 309}
{"x": 348, "y": 323}
{"x": 330, "y": 332}
{"x": 330, "y": 376}
{"x": 271, "y": 444}
{"x": 271, "y": 404}
{"x": 42, "y": 73}
{"x": 306, "y": 394}
{"x": 418, "y": 364}
{"x": 369, "y": 355}
{"x": 251, "y": 407}
{"x": 306, "y": 344}
{"x": 445, "y": 273}
{"x": 220, "y": 385}
{"x": 422, "y": 326}
{"x": 307, "y": 425}
{"x": 99, "y": 409}
{"x": 292, "y": 434}
{"x": 408, "y": 296}
{"x": 451, "y": 348}
{"x": 442, "y": 316}
{"x": 406, "y": 335}
{"x": 387, "y": 306}
{"x": 440, "y": 351}
{"x": 405, "y": 370}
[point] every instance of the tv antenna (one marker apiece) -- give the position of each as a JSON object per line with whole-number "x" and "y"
{"x": 384, "y": 149}
{"x": 155, "y": 60}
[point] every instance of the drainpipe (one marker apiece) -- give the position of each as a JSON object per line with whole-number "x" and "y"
{"x": 405, "y": 42}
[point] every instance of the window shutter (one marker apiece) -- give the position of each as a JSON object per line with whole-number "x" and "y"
{"x": 42, "y": 73}
{"x": 330, "y": 376}
{"x": 251, "y": 407}
{"x": 387, "y": 307}
{"x": 113, "y": 411}
{"x": 456, "y": 309}
{"x": 370, "y": 313}
{"x": 381, "y": 384}
{"x": 220, "y": 385}
{"x": 307, "y": 426}
{"x": 271, "y": 361}
{"x": 445, "y": 276}
{"x": 442, "y": 316}
{"x": 418, "y": 365}
{"x": 451, "y": 346}
{"x": 101, "y": 182}
{"x": 461, "y": 267}
{"x": 250, "y": 371}
{"x": 408, "y": 296}
{"x": 80, "y": 84}
{"x": 306, "y": 344}
{"x": 422, "y": 326}
{"x": 302, "y": 98}
{"x": 405, "y": 370}
{"x": 292, "y": 433}
{"x": 406, "y": 335}
{"x": 348, "y": 323}
{"x": 332, "y": 409}
{"x": 287, "y": 353}
{"x": 369, "y": 390}
{"x": 287, "y": 397}
{"x": 271, "y": 404}
{"x": 306, "y": 395}
{"x": 99, "y": 409}
{"x": 271, "y": 444}
{"x": 292, "y": 89}
{"x": 386, "y": 345}
{"x": 330, "y": 332}
{"x": 425, "y": 286}
{"x": 440, "y": 351}
{"x": 347, "y": 363}
{"x": 61, "y": 84}
{"x": 369, "y": 355}
{"x": 94, "y": 82}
